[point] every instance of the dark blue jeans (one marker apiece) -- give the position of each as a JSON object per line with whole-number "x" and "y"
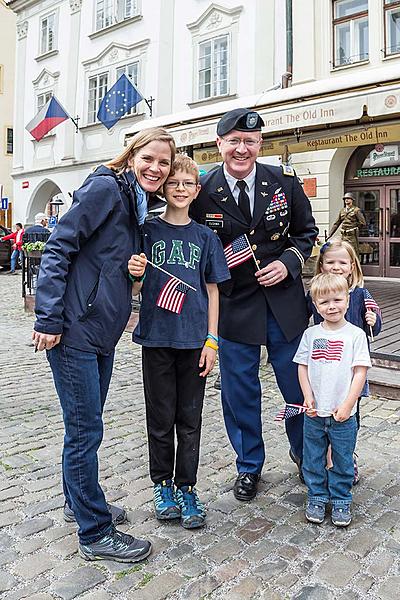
{"x": 333, "y": 485}
{"x": 82, "y": 380}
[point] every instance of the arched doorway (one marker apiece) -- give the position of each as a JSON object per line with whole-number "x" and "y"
{"x": 373, "y": 175}
{"x": 40, "y": 199}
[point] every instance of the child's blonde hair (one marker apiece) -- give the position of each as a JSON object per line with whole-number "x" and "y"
{"x": 186, "y": 164}
{"x": 324, "y": 283}
{"x": 356, "y": 278}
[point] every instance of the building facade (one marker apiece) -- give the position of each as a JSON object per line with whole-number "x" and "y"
{"x": 324, "y": 74}
{"x": 7, "y": 69}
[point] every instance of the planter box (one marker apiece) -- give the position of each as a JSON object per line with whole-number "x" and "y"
{"x": 34, "y": 253}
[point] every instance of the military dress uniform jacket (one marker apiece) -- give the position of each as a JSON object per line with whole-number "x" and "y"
{"x": 283, "y": 228}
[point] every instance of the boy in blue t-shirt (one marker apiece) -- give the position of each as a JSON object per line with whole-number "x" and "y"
{"x": 178, "y": 331}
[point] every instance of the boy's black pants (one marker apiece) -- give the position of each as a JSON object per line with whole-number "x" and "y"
{"x": 174, "y": 394}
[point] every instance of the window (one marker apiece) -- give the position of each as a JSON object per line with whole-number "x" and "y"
{"x": 350, "y": 27}
{"x": 213, "y": 67}
{"x": 47, "y": 33}
{"x": 132, "y": 72}
{"x": 9, "y": 140}
{"x": 392, "y": 26}
{"x": 109, "y": 12}
{"x": 97, "y": 90}
{"x": 42, "y": 99}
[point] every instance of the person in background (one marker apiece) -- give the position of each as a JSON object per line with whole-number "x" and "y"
{"x": 350, "y": 218}
{"x": 17, "y": 253}
{"x": 83, "y": 302}
{"x": 34, "y": 232}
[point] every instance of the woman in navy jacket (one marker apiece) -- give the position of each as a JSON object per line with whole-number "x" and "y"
{"x": 83, "y": 303}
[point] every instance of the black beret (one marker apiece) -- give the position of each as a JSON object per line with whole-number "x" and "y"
{"x": 241, "y": 119}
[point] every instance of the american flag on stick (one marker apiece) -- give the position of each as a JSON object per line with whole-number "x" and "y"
{"x": 172, "y": 295}
{"x": 290, "y": 410}
{"x": 370, "y": 303}
{"x": 238, "y": 251}
{"x": 324, "y": 349}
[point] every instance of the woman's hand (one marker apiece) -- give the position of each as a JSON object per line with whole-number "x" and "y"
{"x": 207, "y": 358}
{"x": 45, "y": 341}
{"x": 137, "y": 265}
{"x": 370, "y": 317}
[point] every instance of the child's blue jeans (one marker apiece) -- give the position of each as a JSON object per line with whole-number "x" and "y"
{"x": 333, "y": 485}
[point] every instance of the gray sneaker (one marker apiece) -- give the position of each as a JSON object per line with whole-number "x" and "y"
{"x": 118, "y": 514}
{"x": 315, "y": 512}
{"x": 341, "y": 515}
{"x": 117, "y": 546}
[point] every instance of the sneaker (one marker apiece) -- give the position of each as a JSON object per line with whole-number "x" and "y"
{"x": 165, "y": 504}
{"x": 297, "y": 461}
{"x": 341, "y": 515}
{"x": 118, "y": 514}
{"x": 118, "y": 546}
{"x": 356, "y": 477}
{"x": 193, "y": 513}
{"x": 315, "y": 512}
{"x": 217, "y": 382}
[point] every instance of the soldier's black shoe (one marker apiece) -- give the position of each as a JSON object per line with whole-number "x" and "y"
{"x": 217, "y": 382}
{"x": 117, "y": 546}
{"x": 297, "y": 461}
{"x": 246, "y": 485}
{"x": 118, "y": 514}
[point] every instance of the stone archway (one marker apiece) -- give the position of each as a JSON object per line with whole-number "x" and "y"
{"x": 337, "y": 171}
{"x": 41, "y": 196}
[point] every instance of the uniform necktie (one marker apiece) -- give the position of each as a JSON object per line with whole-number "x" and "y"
{"x": 244, "y": 200}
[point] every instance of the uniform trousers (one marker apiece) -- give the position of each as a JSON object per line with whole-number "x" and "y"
{"x": 174, "y": 394}
{"x": 241, "y": 394}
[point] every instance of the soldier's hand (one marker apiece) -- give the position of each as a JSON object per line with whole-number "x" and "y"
{"x": 272, "y": 274}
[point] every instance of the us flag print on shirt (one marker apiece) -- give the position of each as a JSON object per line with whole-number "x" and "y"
{"x": 324, "y": 349}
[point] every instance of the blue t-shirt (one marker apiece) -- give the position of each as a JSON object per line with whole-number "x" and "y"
{"x": 194, "y": 254}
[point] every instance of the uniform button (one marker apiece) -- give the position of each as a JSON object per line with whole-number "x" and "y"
{"x": 254, "y": 247}
{"x": 281, "y": 224}
{"x": 215, "y": 231}
{"x": 252, "y": 232}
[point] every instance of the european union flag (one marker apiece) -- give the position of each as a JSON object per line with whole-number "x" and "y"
{"x": 118, "y": 101}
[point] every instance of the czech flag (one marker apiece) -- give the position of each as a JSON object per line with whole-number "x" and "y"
{"x": 51, "y": 115}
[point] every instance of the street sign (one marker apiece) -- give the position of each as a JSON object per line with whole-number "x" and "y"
{"x": 4, "y": 204}
{"x": 52, "y": 222}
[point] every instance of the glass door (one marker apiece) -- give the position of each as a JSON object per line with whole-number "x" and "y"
{"x": 392, "y": 232}
{"x": 371, "y": 235}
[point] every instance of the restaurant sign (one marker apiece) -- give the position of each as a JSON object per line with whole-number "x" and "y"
{"x": 378, "y": 172}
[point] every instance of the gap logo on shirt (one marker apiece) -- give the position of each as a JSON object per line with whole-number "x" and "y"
{"x": 182, "y": 253}
{"x": 324, "y": 349}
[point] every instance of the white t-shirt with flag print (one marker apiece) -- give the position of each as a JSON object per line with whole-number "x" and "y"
{"x": 330, "y": 356}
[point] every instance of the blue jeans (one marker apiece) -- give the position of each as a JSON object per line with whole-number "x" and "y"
{"x": 333, "y": 485}
{"x": 14, "y": 259}
{"x": 82, "y": 380}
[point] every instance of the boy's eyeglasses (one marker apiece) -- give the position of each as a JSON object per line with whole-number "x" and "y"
{"x": 190, "y": 185}
{"x": 235, "y": 142}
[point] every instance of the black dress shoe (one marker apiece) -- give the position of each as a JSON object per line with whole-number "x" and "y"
{"x": 245, "y": 487}
{"x": 297, "y": 461}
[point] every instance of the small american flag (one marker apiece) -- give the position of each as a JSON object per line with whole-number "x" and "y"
{"x": 238, "y": 251}
{"x": 290, "y": 410}
{"x": 327, "y": 349}
{"x": 370, "y": 303}
{"x": 172, "y": 295}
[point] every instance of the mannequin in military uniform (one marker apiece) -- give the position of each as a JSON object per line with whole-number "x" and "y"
{"x": 263, "y": 305}
{"x": 350, "y": 218}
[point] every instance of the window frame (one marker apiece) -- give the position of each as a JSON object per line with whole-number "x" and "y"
{"x": 338, "y": 21}
{"x": 47, "y": 95}
{"x": 7, "y": 142}
{"x": 99, "y": 99}
{"x": 386, "y": 8}
{"x": 54, "y": 41}
{"x": 123, "y": 69}
{"x": 117, "y": 15}
{"x": 213, "y": 80}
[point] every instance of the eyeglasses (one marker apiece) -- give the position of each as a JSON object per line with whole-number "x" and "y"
{"x": 190, "y": 185}
{"x": 248, "y": 142}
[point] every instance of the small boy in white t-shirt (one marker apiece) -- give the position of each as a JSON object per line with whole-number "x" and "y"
{"x": 333, "y": 360}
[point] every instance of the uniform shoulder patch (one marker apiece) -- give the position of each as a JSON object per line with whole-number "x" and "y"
{"x": 287, "y": 170}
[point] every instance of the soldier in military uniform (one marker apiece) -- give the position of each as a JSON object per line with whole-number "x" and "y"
{"x": 350, "y": 218}
{"x": 261, "y": 305}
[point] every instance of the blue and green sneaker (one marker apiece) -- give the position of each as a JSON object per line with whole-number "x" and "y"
{"x": 165, "y": 503}
{"x": 193, "y": 513}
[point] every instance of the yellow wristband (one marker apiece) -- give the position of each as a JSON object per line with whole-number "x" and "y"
{"x": 211, "y": 344}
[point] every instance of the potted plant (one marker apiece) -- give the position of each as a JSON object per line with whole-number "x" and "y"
{"x": 33, "y": 249}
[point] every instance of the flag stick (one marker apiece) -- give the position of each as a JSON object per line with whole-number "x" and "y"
{"x": 166, "y": 272}
{"x": 372, "y": 335}
{"x": 255, "y": 260}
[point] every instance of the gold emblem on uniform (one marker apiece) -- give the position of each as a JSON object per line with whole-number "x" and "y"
{"x": 224, "y": 199}
{"x": 275, "y": 237}
{"x": 220, "y": 189}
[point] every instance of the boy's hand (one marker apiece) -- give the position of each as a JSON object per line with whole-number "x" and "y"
{"x": 342, "y": 413}
{"x": 370, "y": 317}
{"x": 310, "y": 404}
{"x": 137, "y": 265}
{"x": 207, "y": 359}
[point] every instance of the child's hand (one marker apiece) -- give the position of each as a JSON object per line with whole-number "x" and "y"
{"x": 342, "y": 413}
{"x": 137, "y": 265}
{"x": 310, "y": 404}
{"x": 207, "y": 358}
{"x": 370, "y": 317}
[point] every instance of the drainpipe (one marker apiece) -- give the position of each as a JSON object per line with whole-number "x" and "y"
{"x": 287, "y": 77}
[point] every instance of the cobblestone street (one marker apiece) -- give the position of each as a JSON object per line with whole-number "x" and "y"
{"x": 259, "y": 550}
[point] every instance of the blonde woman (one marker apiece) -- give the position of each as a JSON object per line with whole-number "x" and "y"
{"x": 83, "y": 303}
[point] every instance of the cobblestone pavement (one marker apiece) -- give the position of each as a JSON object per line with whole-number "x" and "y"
{"x": 261, "y": 550}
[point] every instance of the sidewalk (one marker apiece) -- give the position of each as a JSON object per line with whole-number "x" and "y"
{"x": 261, "y": 550}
